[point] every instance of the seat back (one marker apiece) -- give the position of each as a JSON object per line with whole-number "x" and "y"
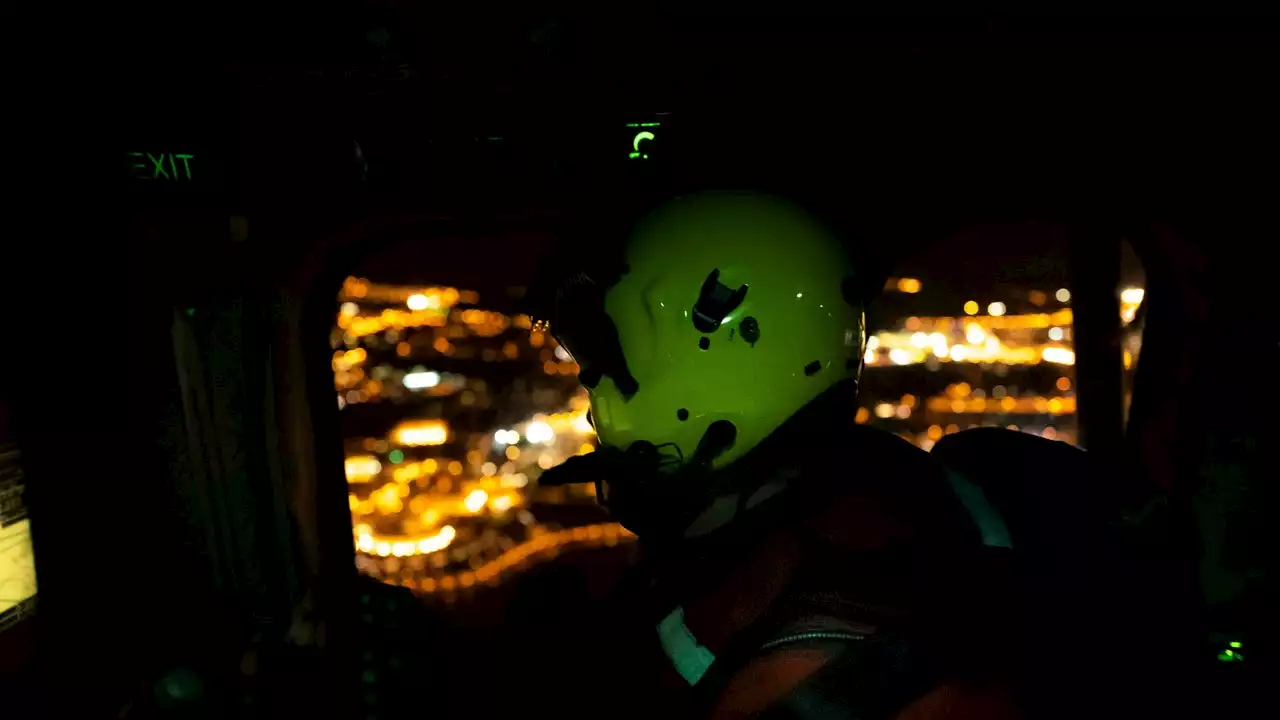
{"x": 1055, "y": 549}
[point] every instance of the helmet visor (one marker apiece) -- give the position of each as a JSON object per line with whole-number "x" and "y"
{"x": 579, "y": 322}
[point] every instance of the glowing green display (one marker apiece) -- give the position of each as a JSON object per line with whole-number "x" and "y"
{"x": 145, "y": 166}
{"x": 645, "y": 124}
{"x": 1231, "y": 654}
{"x": 635, "y": 144}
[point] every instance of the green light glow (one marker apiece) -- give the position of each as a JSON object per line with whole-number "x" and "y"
{"x": 645, "y": 124}
{"x": 1230, "y": 656}
{"x": 158, "y": 168}
{"x": 640, "y": 137}
{"x": 396, "y": 457}
{"x": 1235, "y": 644}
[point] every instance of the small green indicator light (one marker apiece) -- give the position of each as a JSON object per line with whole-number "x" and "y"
{"x": 395, "y": 456}
{"x": 1236, "y": 645}
{"x": 1230, "y": 656}
{"x": 645, "y": 124}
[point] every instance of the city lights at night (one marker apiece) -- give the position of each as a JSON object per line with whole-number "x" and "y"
{"x": 439, "y": 504}
{"x": 420, "y": 380}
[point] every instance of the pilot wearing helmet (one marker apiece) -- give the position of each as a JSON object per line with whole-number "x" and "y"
{"x": 797, "y": 564}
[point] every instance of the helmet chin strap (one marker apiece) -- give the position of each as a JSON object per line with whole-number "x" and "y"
{"x": 665, "y": 499}
{"x": 724, "y": 509}
{"x": 769, "y": 469}
{"x": 722, "y": 496}
{"x": 659, "y": 503}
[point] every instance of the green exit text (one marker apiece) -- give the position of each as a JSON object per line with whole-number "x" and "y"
{"x": 164, "y": 166}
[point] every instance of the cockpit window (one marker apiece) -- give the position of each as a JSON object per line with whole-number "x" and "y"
{"x": 962, "y": 340}
{"x": 17, "y": 559}
{"x": 451, "y": 407}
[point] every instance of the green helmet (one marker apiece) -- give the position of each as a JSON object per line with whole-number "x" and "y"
{"x": 730, "y": 313}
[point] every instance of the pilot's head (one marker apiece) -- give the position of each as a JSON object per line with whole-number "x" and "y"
{"x": 730, "y": 313}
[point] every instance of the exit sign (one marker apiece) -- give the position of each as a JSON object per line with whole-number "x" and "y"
{"x": 161, "y": 167}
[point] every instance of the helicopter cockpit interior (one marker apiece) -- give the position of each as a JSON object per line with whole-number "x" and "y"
{"x": 315, "y": 490}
